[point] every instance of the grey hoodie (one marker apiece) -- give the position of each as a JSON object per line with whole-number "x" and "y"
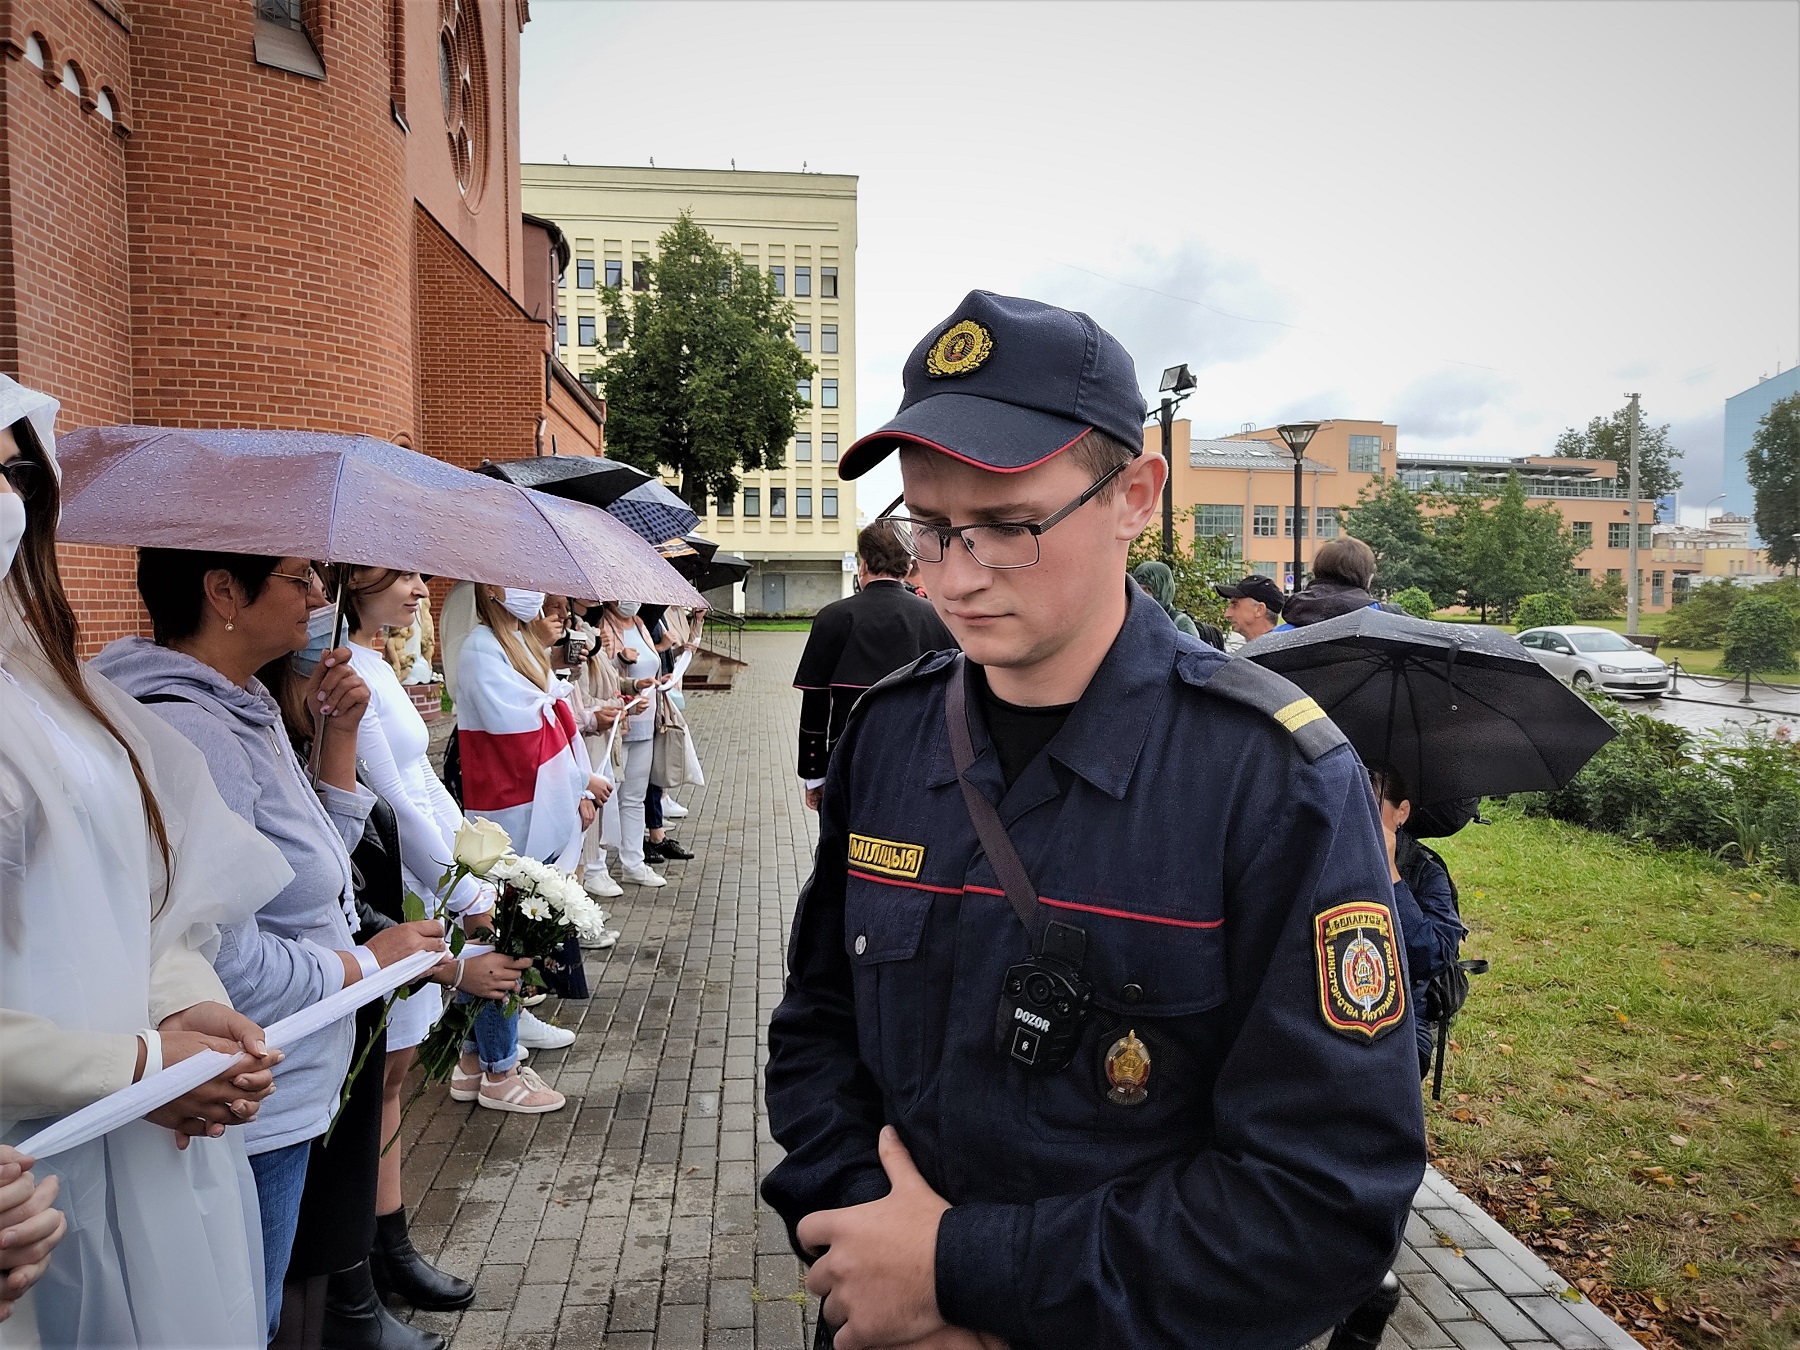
{"x": 286, "y": 957}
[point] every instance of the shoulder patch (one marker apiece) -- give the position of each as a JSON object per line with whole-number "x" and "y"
{"x": 1274, "y": 696}
{"x": 1362, "y": 993}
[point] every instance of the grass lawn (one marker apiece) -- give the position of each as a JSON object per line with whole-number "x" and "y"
{"x": 800, "y": 625}
{"x": 1625, "y": 1092}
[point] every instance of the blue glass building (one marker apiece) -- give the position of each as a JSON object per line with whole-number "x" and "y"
{"x": 1742, "y": 413}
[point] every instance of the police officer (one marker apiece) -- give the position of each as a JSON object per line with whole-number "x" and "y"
{"x": 857, "y": 641}
{"x": 1103, "y": 1039}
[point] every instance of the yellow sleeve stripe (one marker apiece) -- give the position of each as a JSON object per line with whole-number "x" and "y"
{"x": 1298, "y": 714}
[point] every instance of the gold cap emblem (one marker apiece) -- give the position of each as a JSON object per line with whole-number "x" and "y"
{"x": 1128, "y": 1070}
{"x": 961, "y": 350}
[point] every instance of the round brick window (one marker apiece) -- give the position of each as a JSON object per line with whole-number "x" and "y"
{"x": 462, "y": 85}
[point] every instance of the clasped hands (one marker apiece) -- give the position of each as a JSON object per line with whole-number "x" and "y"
{"x": 231, "y": 1098}
{"x": 877, "y": 1265}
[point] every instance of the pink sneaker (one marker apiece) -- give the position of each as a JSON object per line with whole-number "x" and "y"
{"x": 464, "y": 1087}
{"x": 521, "y": 1091}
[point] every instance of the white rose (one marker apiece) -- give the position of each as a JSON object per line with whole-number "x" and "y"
{"x": 480, "y": 844}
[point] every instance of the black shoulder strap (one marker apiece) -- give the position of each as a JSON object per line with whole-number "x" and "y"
{"x": 164, "y": 698}
{"x": 1001, "y": 854}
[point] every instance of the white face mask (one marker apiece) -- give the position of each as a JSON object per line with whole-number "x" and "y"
{"x": 12, "y": 529}
{"x": 627, "y": 608}
{"x": 319, "y": 625}
{"x": 523, "y": 605}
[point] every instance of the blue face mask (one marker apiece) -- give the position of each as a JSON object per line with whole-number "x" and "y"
{"x": 318, "y": 637}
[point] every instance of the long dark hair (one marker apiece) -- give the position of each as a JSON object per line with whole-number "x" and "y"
{"x": 35, "y": 581}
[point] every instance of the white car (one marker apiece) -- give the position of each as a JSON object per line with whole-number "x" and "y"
{"x": 1589, "y": 658}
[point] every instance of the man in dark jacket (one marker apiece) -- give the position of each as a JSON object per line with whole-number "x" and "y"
{"x": 856, "y": 642}
{"x": 1342, "y": 572}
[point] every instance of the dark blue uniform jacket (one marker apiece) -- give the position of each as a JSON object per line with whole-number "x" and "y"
{"x": 1260, "y": 1190}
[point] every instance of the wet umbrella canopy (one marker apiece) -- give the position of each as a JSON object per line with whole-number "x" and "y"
{"x": 1459, "y": 710}
{"x": 346, "y": 499}
{"x": 581, "y": 478}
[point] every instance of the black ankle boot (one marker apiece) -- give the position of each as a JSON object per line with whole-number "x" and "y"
{"x": 400, "y": 1271}
{"x": 1362, "y": 1329}
{"x": 357, "y": 1319}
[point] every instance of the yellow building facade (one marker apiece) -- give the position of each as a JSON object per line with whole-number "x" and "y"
{"x": 796, "y": 524}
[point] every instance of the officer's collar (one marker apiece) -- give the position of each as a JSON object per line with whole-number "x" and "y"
{"x": 1109, "y": 724}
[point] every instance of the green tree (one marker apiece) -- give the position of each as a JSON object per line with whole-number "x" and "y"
{"x": 1387, "y": 518}
{"x": 1416, "y": 601}
{"x": 1773, "y": 467}
{"x": 1545, "y": 609}
{"x": 1603, "y": 599}
{"x": 1610, "y": 438}
{"x": 1699, "y": 621}
{"x": 706, "y": 383}
{"x": 1198, "y": 564}
{"x": 1508, "y": 549}
{"x": 1760, "y": 636}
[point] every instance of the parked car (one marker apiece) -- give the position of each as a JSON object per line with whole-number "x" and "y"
{"x": 1587, "y": 658}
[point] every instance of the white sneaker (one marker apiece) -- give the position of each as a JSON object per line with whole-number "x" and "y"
{"x": 524, "y": 1054}
{"x": 598, "y": 882}
{"x": 673, "y": 809}
{"x": 609, "y": 937}
{"x": 643, "y": 876}
{"x": 541, "y": 1035}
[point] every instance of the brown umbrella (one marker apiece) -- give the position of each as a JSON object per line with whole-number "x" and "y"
{"x": 347, "y": 499}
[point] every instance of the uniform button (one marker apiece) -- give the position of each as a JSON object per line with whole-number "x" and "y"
{"x": 862, "y": 944}
{"x": 1132, "y": 993}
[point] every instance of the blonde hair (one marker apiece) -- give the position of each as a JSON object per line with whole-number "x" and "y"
{"x": 515, "y": 639}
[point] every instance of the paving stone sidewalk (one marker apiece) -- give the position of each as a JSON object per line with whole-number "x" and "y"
{"x": 630, "y": 1219}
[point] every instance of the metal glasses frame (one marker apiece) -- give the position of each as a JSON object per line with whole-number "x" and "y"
{"x": 1034, "y": 528}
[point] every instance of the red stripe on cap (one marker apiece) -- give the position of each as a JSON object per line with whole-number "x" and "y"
{"x": 911, "y": 439}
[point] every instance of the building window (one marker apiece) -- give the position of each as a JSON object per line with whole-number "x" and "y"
{"x": 1211, "y": 521}
{"x": 828, "y": 337}
{"x": 780, "y": 276}
{"x": 464, "y": 97}
{"x": 1272, "y": 570}
{"x": 1584, "y": 573}
{"x": 828, "y": 447}
{"x": 803, "y": 505}
{"x": 777, "y": 503}
{"x": 828, "y": 283}
{"x": 1646, "y": 536}
{"x": 615, "y": 274}
{"x": 615, "y": 332}
{"x": 802, "y": 281}
{"x": 722, "y": 506}
{"x": 803, "y": 447}
{"x": 1365, "y": 454}
{"x": 584, "y": 273}
{"x": 1656, "y": 588}
{"x": 1583, "y": 531}
{"x": 803, "y": 336}
{"x": 1618, "y": 536}
{"x": 1262, "y": 523}
{"x": 584, "y": 330}
{"x": 640, "y": 275}
{"x": 803, "y": 391}
{"x": 828, "y": 393}
{"x": 1287, "y": 522}
{"x": 752, "y": 501}
{"x": 562, "y": 330}
{"x": 828, "y": 503}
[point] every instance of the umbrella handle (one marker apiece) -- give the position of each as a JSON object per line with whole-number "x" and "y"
{"x": 338, "y": 623}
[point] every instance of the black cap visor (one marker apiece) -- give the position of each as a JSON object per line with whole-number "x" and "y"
{"x": 999, "y": 437}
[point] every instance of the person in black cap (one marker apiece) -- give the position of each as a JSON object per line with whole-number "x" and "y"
{"x": 1254, "y": 608}
{"x": 855, "y": 642}
{"x": 1096, "y": 1028}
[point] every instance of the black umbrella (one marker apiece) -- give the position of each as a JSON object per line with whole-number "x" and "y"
{"x": 689, "y": 555}
{"x": 725, "y": 569}
{"x": 582, "y": 478}
{"x": 1459, "y": 710}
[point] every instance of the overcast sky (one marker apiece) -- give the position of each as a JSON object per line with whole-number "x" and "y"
{"x": 1482, "y": 222}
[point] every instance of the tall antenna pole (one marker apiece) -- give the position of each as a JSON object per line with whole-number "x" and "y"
{"x": 1631, "y": 563}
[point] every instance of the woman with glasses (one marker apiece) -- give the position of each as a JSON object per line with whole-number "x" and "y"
{"x": 117, "y": 862}
{"x": 218, "y": 619}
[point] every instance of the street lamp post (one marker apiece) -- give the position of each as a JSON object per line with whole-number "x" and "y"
{"x": 1298, "y": 435}
{"x": 1177, "y": 384}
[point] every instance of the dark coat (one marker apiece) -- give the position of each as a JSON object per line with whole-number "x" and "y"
{"x": 1321, "y": 599}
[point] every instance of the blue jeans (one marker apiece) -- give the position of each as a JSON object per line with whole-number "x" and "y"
{"x": 496, "y": 1042}
{"x": 280, "y": 1177}
{"x": 653, "y": 816}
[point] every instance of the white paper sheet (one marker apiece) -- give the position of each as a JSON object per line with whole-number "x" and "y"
{"x": 160, "y": 1089}
{"x": 673, "y": 678}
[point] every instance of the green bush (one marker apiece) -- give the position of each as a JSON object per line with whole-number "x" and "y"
{"x": 1544, "y": 609}
{"x": 1415, "y": 601}
{"x": 1699, "y": 620}
{"x": 1760, "y": 636}
{"x": 1597, "y": 599}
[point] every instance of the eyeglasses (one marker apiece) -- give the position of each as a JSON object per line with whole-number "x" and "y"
{"x": 1001, "y": 546}
{"x": 308, "y": 580}
{"x": 23, "y": 475}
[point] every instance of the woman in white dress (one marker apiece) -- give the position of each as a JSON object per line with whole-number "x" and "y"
{"x": 118, "y": 861}
{"x": 392, "y": 743}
